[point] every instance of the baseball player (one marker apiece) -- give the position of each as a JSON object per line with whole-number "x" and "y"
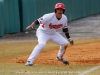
{"x": 46, "y": 31}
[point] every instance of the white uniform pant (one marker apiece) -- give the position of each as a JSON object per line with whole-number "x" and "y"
{"x": 43, "y": 38}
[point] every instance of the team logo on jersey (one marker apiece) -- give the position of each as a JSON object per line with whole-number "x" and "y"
{"x": 55, "y": 26}
{"x": 43, "y": 25}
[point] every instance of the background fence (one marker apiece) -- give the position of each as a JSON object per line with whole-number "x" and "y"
{"x": 15, "y": 15}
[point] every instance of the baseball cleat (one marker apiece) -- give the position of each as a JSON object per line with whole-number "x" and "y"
{"x": 63, "y": 61}
{"x": 28, "y": 63}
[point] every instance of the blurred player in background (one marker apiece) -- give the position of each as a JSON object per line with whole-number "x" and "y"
{"x": 46, "y": 31}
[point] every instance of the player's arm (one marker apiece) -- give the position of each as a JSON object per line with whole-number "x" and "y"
{"x": 65, "y": 30}
{"x": 33, "y": 24}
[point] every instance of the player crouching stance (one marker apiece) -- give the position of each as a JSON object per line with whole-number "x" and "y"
{"x": 46, "y": 31}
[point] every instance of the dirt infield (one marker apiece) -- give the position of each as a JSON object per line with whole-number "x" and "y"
{"x": 84, "y": 54}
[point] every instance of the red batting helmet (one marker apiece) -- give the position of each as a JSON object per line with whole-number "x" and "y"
{"x": 60, "y": 5}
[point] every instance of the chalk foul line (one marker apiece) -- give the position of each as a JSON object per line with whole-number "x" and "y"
{"x": 90, "y": 70}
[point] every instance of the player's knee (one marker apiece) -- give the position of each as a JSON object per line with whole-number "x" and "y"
{"x": 42, "y": 45}
{"x": 65, "y": 43}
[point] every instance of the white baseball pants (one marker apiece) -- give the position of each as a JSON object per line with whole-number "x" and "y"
{"x": 43, "y": 38}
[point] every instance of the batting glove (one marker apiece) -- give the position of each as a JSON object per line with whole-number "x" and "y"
{"x": 71, "y": 41}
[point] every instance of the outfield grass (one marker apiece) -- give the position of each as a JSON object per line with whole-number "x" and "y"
{"x": 13, "y": 50}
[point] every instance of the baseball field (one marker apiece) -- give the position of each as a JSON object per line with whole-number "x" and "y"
{"x": 83, "y": 56}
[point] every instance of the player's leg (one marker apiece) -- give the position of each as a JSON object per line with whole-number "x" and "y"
{"x": 42, "y": 39}
{"x": 59, "y": 39}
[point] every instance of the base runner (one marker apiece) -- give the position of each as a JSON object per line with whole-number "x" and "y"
{"x": 46, "y": 31}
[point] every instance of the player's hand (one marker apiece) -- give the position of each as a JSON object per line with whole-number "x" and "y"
{"x": 71, "y": 41}
{"x": 28, "y": 27}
